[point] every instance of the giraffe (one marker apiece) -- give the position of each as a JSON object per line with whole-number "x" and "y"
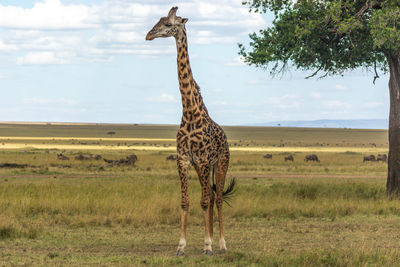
{"x": 200, "y": 141}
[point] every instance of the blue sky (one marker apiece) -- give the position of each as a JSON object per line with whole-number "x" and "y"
{"x": 87, "y": 61}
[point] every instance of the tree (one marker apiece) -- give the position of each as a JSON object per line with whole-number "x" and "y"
{"x": 111, "y": 133}
{"x": 330, "y": 37}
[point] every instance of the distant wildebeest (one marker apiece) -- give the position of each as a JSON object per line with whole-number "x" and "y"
{"x": 172, "y": 157}
{"x": 131, "y": 159}
{"x": 128, "y": 160}
{"x": 369, "y": 158}
{"x": 61, "y": 156}
{"x": 289, "y": 158}
{"x": 268, "y": 156}
{"x": 311, "y": 157}
{"x": 97, "y": 157}
{"x": 381, "y": 157}
{"x": 81, "y": 157}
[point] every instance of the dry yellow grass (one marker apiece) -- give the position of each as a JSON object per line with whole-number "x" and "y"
{"x": 260, "y": 148}
{"x": 84, "y": 147}
{"x": 30, "y": 138}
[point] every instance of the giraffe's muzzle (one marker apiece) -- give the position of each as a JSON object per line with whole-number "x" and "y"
{"x": 149, "y": 37}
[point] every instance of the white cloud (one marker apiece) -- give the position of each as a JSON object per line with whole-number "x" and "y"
{"x": 220, "y": 103}
{"x": 285, "y": 101}
{"x": 110, "y": 37}
{"x": 257, "y": 81}
{"x": 226, "y": 14}
{"x": 336, "y": 104}
{"x": 43, "y": 58}
{"x": 373, "y": 104}
{"x": 7, "y": 47}
{"x": 340, "y": 87}
{"x": 51, "y": 43}
{"x": 337, "y": 114}
{"x": 315, "y": 95}
{"x": 163, "y": 98}
{"x": 95, "y": 32}
{"x": 47, "y": 101}
{"x": 237, "y": 61}
{"x": 210, "y": 37}
{"x": 217, "y": 90}
{"x": 50, "y": 14}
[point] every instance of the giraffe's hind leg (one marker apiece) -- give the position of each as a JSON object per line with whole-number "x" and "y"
{"x": 203, "y": 172}
{"x": 211, "y": 211}
{"x": 183, "y": 169}
{"x": 222, "y": 169}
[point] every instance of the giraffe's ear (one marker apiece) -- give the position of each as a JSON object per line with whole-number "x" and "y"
{"x": 184, "y": 20}
{"x": 172, "y": 12}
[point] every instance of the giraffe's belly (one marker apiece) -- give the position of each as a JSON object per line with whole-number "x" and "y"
{"x": 199, "y": 150}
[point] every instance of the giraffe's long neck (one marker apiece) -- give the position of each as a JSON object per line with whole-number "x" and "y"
{"x": 192, "y": 102}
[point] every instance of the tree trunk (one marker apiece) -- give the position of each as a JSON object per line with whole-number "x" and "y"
{"x": 393, "y": 178}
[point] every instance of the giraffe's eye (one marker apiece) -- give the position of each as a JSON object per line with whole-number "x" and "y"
{"x": 168, "y": 24}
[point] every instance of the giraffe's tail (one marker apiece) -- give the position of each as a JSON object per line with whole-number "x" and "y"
{"x": 229, "y": 191}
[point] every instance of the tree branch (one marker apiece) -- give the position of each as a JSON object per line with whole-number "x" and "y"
{"x": 376, "y": 73}
{"x": 323, "y": 76}
{"x": 368, "y": 5}
{"x": 315, "y": 73}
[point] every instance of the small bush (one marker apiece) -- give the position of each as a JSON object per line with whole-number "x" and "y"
{"x": 307, "y": 192}
{"x": 11, "y": 232}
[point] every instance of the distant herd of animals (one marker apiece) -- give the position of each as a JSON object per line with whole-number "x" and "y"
{"x": 131, "y": 159}
{"x": 313, "y": 157}
{"x": 380, "y": 157}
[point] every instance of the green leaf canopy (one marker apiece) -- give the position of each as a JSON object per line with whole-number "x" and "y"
{"x": 328, "y": 37}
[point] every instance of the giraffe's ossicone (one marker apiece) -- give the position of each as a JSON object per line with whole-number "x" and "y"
{"x": 200, "y": 141}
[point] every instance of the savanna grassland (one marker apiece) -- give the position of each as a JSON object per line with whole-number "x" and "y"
{"x": 88, "y": 213}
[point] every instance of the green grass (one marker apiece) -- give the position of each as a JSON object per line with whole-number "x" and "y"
{"x": 142, "y": 200}
{"x": 82, "y": 213}
{"x": 131, "y": 220}
{"x": 256, "y": 242}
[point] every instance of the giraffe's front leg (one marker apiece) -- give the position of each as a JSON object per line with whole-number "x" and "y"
{"x": 183, "y": 168}
{"x": 203, "y": 172}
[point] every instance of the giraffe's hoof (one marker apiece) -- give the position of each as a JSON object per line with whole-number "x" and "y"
{"x": 208, "y": 252}
{"x": 180, "y": 253}
{"x": 222, "y": 251}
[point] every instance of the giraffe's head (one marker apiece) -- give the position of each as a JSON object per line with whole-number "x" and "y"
{"x": 168, "y": 26}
